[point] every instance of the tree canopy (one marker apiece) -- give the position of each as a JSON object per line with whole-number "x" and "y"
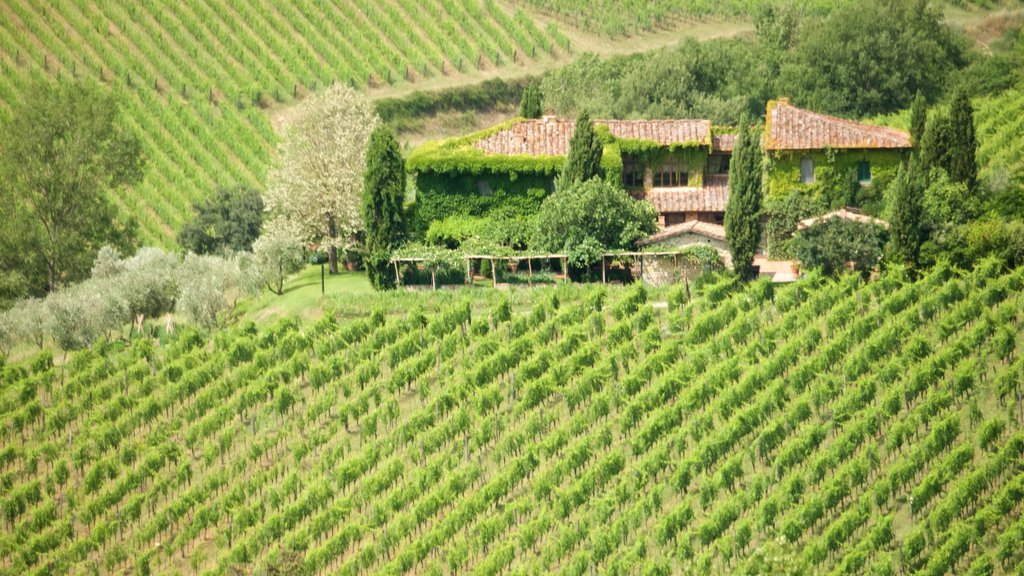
{"x": 383, "y": 199}
{"x": 587, "y": 218}
{"x": 830, "y": 245}
{"x": 63, "y": 153}
{"x": 314, "y": 191}
{"x": 228, "y": 220}
{"x": 743, "y": 212}
{"x": 872, "y": 57}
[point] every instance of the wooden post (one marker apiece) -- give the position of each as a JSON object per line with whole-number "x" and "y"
{"x": 604, "y": 276}
{"x": 469, "y": 271}
{"x": 433, "y": 279}
{"x": 398, "y": 277}
{"x": 529, "y": 267}
{"x": 494, "y": 273}
{"x": 565, "y": 268}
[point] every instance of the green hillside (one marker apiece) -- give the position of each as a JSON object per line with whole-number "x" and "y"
{"x": 848, "y": 427}
{"x": 196, "y": 77}
{"x": 1000, "y": 123}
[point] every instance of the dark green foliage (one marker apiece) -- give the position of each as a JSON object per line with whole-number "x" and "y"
{"x": 589, "y": 218}
{"x": 988, "y": 237}
{"x": 531, "y": 105}
{"x": 857, "y": 60}
{"x": 783, "y": 216}
{"x": 906, "y": 228}
{"x": 716, "y": 80}
{"x": 229, "y": 220}
{"x": 918, "y": 119}
{"x": 64, "y": 152}
{"x": 383, "y": 198}
{"x": 934, "y": 149}
{"x": 584, "y": 159}
{"x": 963, "y": 144}
{"x": 828, "y": 246}
{"x": 743, "y": 212}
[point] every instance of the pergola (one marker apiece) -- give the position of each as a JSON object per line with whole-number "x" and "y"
{"x": 637, "y": 257}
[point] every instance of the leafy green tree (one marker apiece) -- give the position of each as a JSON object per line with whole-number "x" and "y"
{"x": 383, "y": 211}
{"x": 963, "y": 143}
{"x": 531, "y": 104}
{"x": 743, "y": 212}
{"x": 584, "y": 159}
{"x": 907, "y": 214}
{"x": 829, "y": 246}
{"x": 589, "y": 218}
{"x": 855, "y": 61}
{"x": 918, "y": 120}
{"x": 63, "y": 154}
{"x": 277, "y": 257}
{"x": 229, "y": 220}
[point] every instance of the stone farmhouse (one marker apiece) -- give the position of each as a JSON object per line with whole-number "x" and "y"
{"x": 681, "y": 166}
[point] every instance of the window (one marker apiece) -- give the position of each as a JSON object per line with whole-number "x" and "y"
{"x": 807, "y": 170}
{"x": 718, "y": 164}
{"x": 632, "y": 172}
{"x": 864, "y": 171}
{"x": 671, "y": 173}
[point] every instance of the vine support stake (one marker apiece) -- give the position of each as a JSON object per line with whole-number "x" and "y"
{"x": 529, "y": 268}
{"x": 398, "y": 277}
{"x": 494, "y": 273}
{"x": 604, "y": 276}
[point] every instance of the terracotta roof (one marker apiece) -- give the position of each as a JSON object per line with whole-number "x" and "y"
{"x": 692, "y": 227}
{"x": 723, "y": 142}
{"x": 712, "y": 198}
{"x": 845, "y": 215}
{"x": 790, "y": 128}
{"x": 663, "y": 132}
{"x": 550, "y": 136}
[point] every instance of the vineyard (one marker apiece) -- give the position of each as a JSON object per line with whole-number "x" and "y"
{"x": 999, "y": 125}
{"x": 845, "y": 426}
{"x": 195, "y": 77}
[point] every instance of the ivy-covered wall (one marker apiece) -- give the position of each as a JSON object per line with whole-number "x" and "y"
{"x": 440, "y": 195}
{"x": 833, "y": 170}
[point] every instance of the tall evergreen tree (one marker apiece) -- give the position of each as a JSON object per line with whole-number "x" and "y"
{"x": 963, "y": 144}
{"x": 743, "y": 212}
{"x": 918, "y": 120}
{"x": 383, "y": 211}
{"x": 584, "y": 159}
{"x": 934, "y": 150}
{"x": 906, "y": 228}
{"x": 531, "y": 104}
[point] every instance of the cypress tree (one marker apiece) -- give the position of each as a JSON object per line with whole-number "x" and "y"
{"x": 905, "y": 231}
{"x": 918, "y": 119}
{"x": 383, "y": 211}
{"x": 584, "y": 159}
{"x": 530, "y": 106}
{"x": 743, "y": 212}
{"x": 963, "y": 144}
{"x": 934, "y": 150}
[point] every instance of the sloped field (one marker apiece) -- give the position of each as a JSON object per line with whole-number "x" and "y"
{"x": 869, "y": 426}
{"x": 195, "y": 76}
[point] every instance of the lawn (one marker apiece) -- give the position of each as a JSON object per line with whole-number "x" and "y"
{"x": 302, "y": 296}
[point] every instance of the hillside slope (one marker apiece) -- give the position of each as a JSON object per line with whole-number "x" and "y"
{"x": 196, "y": 76}
{"x": 868, "y": 425}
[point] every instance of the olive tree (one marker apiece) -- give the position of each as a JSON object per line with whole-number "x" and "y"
{"x": 314, "y": 190}
{"x": 277, "y": 257}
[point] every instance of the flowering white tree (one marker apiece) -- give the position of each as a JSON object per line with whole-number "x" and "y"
{"x": 314, "y": 190}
